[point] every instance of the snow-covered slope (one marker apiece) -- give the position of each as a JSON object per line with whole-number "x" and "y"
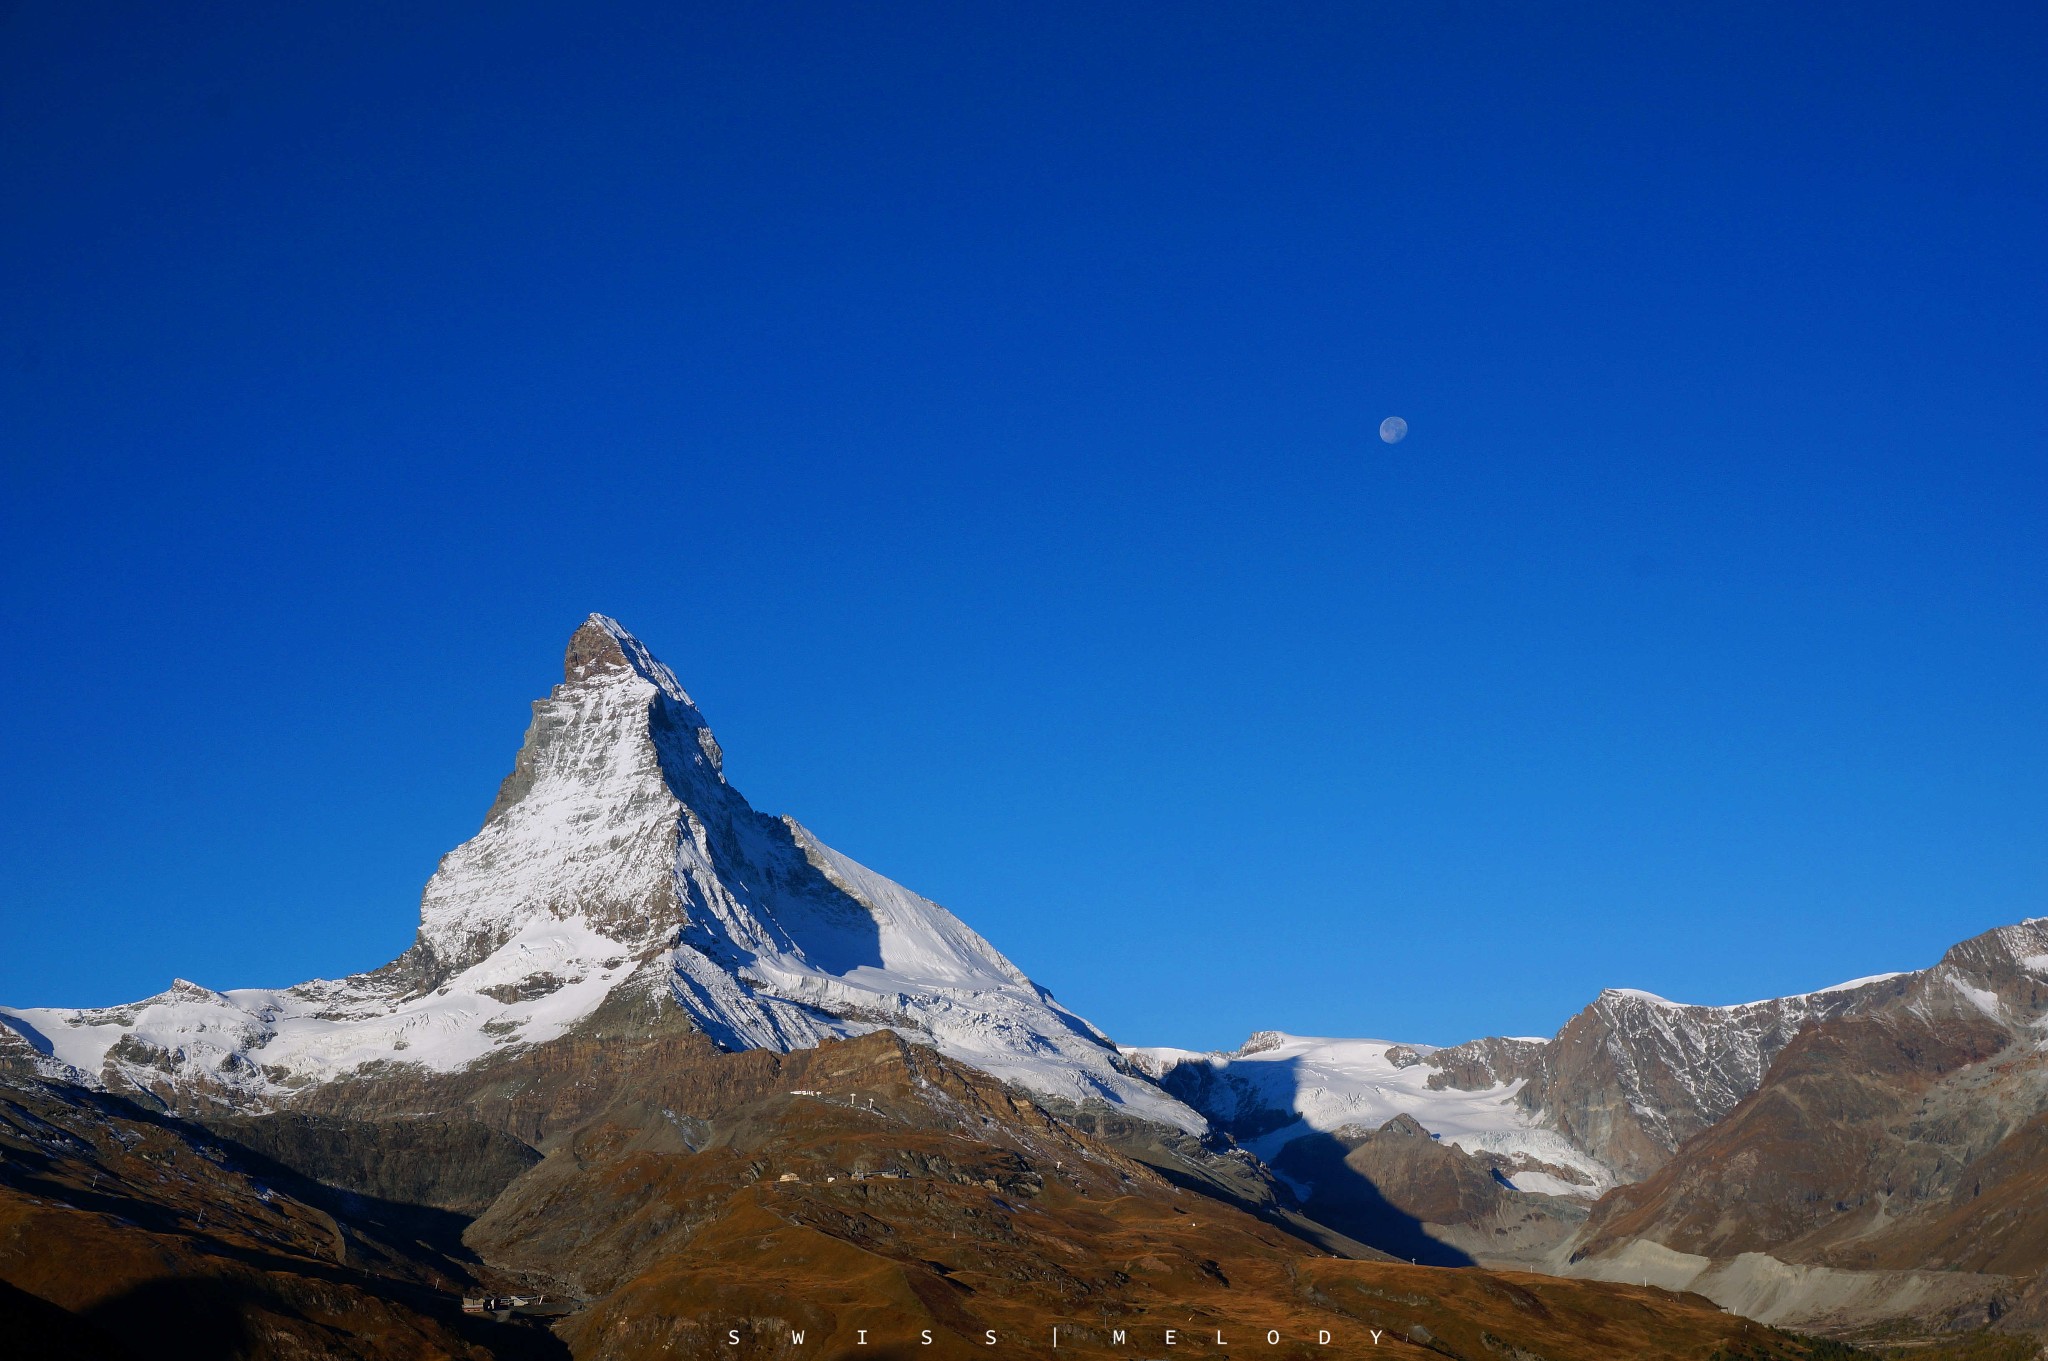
{"x": 616, "y": 857}
{"x": 1277, "y": 1088}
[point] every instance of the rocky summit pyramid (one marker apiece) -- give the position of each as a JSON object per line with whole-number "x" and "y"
{"x": 617, "y": 866}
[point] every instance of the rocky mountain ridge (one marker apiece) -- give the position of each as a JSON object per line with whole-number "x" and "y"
{"x": 1604, "y": 1102}
{"x": 1905, "y": 1135}
{"x": 1633, "y": 1076}
{"x": 1863, "y": 1156}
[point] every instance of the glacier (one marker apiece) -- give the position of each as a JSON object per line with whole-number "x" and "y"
{"x": 1277, "y": 1087}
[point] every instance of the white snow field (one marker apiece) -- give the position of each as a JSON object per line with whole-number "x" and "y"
{"x": 1328, "y": 1084}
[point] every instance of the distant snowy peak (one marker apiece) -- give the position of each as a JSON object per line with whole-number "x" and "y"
{"x": 1778, "y": 1003}
{"x": 1607, "y": 1099}
{"x": 616, "y": 855}
{"x": 1634, "y": 1075}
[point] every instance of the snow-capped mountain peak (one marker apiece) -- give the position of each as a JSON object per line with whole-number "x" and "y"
{"x": 616, "y": 856}
{"x": 601, "y": 645}
{"x": 583, "y": 826}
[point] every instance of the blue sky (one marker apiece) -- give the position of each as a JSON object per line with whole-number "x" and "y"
{"x": 975, "y": 405}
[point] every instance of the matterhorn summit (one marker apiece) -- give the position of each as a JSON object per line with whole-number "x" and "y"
{"x": 615, "y": 864}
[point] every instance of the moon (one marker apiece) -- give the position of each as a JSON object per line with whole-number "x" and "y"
{"x": 1393, "y": 430}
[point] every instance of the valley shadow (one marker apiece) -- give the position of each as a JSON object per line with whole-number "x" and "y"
{"x": 395, "y": 1221}
{"x": 202, "y": 1318}
{"x": 1240, "y": 1107}
{"x": 417, "y": 1235}
{"x": 1348, "y": 1201}
{"x": 1181, "y": 1161}
{"x": 410, "y": 1233}
{"x": 518, "y": 1340}
{"x": 409, "y": 1255}
{"x": 31, "y": 1326}
{"x": 387, "y": 1222}
{"x": 229, "y": 1318}
{"x": 1249, "y": 1101}
{"x": 451, "y": 1162}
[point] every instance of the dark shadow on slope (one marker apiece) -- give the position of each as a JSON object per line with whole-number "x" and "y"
{"x": 1210, "y": 1168}
{"x": 422, "y": 1234}
{"x": 400, "y": 1225}
{"x": 409, "y": 1253}
{"x": 1351, "y": 1202}
{"x": 518, "y": 1340}
{"x": 452, "y": 1164}
{"x": 1233, "y": 1104}
{"x": 1372, "y": 1197}
{"x": 30, "y": 1036}
{"x": 759, "y": 862}
{"x": 236, "y": 1318}
{"x": 831, "y": 928}
{"x": 188, "y": 1318}
{"x": 31, "y": 1326}
{"x": 413, "y": 1275}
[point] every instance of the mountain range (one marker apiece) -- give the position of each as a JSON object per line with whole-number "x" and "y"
{"x": 675, "y": 1062}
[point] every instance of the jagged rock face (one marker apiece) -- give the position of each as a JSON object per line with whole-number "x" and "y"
{"x": 616, "y": 869}
{"x": 1904, "y": 1133}
{"x": 1607, "y": 1100}
{"x": 1813, "y": 1143}
{"x": 1633, "y": 1076}
{"x": 584, "y": 826}
{"x": 1899, "y": 1140}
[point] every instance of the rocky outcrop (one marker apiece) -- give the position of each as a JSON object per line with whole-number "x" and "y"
{"x": 1607, "y": 1100}
{"x": 1832, "y": 1141}
{"x": 1633, "y": 1076}
{"x": 1903, "y": 1135}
